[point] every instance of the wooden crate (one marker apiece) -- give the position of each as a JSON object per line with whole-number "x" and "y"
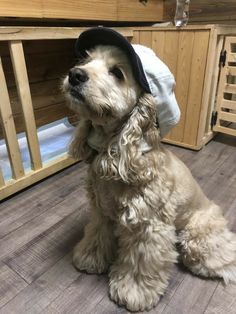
{"x": 192, "y": 54}
{"x": 225, "y": 113}
{"x": 33, "y": 60}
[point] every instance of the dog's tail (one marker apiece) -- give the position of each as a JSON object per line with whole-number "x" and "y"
{"x": 208, "y": 247}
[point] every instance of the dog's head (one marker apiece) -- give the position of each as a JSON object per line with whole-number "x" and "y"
{"x": 103, "y": 90}
{"x": 102, "y": 87}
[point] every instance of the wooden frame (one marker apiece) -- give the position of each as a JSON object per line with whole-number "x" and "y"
{"x": 195, "y": 66}
{"x": 196, "y": 70}
{"x": 226, "y": 108}
{"x": 14, "y": 36}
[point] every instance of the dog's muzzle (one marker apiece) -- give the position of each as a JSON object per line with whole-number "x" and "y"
{"x": 77, "y": 76}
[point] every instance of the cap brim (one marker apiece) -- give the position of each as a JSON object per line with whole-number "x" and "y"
{"x": 106, "y": 36}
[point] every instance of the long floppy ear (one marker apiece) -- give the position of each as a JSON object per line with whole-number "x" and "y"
{"x": 125, "y": 159}
{"x": 79, "y": 148}
{"x": 139, "y": 131}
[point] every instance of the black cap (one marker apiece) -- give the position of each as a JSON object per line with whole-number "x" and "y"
{"x": 106, "y": 36}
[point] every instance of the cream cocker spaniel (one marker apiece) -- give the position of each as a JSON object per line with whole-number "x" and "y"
{"x": 144, "y": 200}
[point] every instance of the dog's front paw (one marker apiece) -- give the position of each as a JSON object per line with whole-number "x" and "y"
{"x": 135, "y": 295}
{"x": 89, "y": 259}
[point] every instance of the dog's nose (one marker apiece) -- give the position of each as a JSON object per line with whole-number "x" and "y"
{"x": 77, "y": 76}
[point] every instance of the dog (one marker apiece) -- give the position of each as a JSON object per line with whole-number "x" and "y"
{"x": 144, "y": 200}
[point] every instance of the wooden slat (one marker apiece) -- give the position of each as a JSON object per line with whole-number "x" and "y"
{"x": 184, "y": 63}
{"x": 231, "y": 57}
{"x": 199, "y": 57}
{"x": 8, "y": 127}
{"x": 209, "y": 87}
{"x": 171, "y": 45}
{"x": 33, "y": 33}
{"x": 231, "y": 70}
{"x": 135, "y": 38}
{"x": 146, "y": 38}
{"x": 158, "y": 43}
{"x": 2, "y": 183}
{"x": 225, "y": 130}
{"x": 171, "y": 59}
{"x": 228, "y": 104}
{"x": 227, "y": 116}
{"x": 19, "y": 67}
{"x": 230, "y": 88}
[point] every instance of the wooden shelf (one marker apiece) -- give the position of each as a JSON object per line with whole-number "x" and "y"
{"x": 83, "y": 10}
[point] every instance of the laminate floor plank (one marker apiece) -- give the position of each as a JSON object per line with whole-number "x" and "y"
{"x": 223, "y": 300}
{"x": 32, "y": 229}
{"x": 27, "y": 206}
{"x": 77, "y": 300}
{"x": 38, "y": 295}
{"x": 192, "y": 295}
{"x": 38, "y": 255}
{"x": 10, "y": 284}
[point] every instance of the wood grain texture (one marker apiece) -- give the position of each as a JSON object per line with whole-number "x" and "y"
{"x": 198, "y": 294}
{"x": 134, "y": 10}
{"x": 183, "y": 73}
{"x": 39, "y": 226}
{"x": 227, "y": 90}
{"x": 10, "y": 284}
{"x": 102, "y": 10}
{"x": 170, "y": 58}
{"x": 76, "y": 300}
{"x": 23, "y": 88}
{"x": 195, "y": 91}
{"x": 81, "y": 10}
{"x": 158, "y": 43}
{"x": 24, "y": 8}
{"x": 205, "y": 11}
{"x": 15, "y": 216}
{"x": 2, "y": 182}
{"x": 39, "y": 294}
{"x": 145, "y": 38}
{"x": 9, "y": 129}
{"x": 44, "y": 250}
{"x": 223, "y": 300}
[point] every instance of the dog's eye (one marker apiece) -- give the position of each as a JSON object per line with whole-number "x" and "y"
{"x": 117, "y": 73}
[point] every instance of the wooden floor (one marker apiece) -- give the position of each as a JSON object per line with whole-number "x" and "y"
{"x": 40, "y": 226}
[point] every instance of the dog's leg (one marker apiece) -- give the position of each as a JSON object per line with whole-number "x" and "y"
{"x": 207, "y": 247}
{"x": 94, "y": 252}
{"x": 141, "y": 271}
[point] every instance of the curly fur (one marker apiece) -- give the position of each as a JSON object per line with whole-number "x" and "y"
{"x": 143, "y": 203}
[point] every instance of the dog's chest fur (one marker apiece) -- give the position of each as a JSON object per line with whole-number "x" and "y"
{"x": 130, "y": 203}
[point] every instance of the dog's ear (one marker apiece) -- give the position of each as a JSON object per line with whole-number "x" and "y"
{"x": 139, "y": 131}
{"x": 79, "y": 149}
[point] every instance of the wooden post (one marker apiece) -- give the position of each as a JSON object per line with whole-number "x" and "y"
{"x": 9, "y": 129}
{"x": 2, "y": 183}
{"x": 22, "y": 83}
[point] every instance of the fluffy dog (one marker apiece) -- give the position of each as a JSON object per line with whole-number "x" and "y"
{"x": 143, "y": 198}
